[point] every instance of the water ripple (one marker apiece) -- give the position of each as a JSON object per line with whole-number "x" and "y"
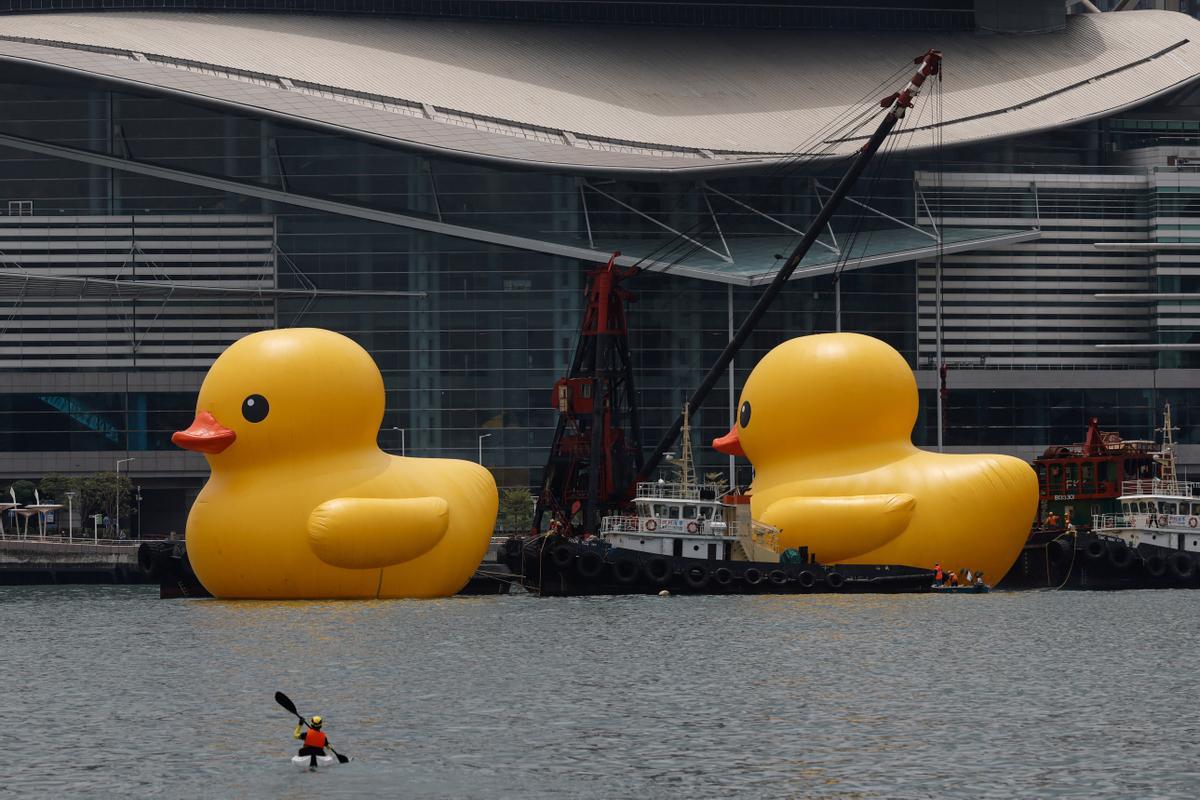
{"x": 997, "y": 696}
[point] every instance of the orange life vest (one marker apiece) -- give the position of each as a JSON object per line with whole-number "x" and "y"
{"x": 314, "y": 738}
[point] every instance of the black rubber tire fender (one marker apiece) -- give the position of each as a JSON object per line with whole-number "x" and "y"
{"x": 806, "y": 579}
{"x": 589, "y": 564}
{"x": 562, "y": 555}
{"x": 1095, "y": 549}
{"x": 753, "y": 576}
{"x": 146, "y": 560}
{"x": 696, "y": 576}
{"x": 1058, "y": 551}
{"x": 1155, "y": 565}
{"x": 625, "y": 570}
{"x": 1120, "y": 555}
{"x": 835, "y": 580}
{"x": 777, "y": 577}
{"x": 723, "y": 576}
{"x": 658, "y": 570}
{"x": 1181, "y": 565}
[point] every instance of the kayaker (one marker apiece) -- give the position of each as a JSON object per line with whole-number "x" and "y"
{"x": 315, "y": 740}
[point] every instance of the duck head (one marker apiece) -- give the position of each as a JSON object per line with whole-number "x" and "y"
{"x": 816, "y": 394}
{"x": 286, "y": 394}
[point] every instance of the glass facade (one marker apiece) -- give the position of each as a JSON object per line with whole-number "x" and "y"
{"x": 493, "y": 327}
{"x": 478, "y": 353}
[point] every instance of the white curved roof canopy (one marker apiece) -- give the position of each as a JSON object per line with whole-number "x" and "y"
{"x": 611, "y": 99}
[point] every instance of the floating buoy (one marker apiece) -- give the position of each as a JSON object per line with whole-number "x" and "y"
{"x": 664, "y": 593}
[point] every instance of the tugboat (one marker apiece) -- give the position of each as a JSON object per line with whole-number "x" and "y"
{"x": 686, "y": 537}
{"x": 689, "y": 539}
{"x": 612, "y": 528}
{"x": 1141, "y": 532}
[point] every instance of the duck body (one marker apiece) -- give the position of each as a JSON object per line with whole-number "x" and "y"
{"x": 309, "y": 506}
{"x": 826, "y": 421}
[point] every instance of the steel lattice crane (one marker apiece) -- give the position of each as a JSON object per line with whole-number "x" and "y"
{"x": 596, "y": 456}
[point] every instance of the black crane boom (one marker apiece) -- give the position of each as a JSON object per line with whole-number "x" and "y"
{"x": 897, "y": 104}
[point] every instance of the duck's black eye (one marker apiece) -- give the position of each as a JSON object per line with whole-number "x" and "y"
{"x": 255, "y": 408}
{"x": 743, "y": 414}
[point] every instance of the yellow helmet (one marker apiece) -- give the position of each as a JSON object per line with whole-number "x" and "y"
{"x": 316, "y": 721}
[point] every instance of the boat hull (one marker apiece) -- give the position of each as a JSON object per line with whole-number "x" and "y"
{"x": 559, "y": 567}
{"x": 1085, "y": 561}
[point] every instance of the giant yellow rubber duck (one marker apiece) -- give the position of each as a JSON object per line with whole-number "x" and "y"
{"x": 826, "y": 420}
{"x": 301, "y": 502}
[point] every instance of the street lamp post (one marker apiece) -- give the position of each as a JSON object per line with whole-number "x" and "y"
{"x": 70, "y": 517}
{"x": 117, "y": 517}
{"x": 401, "y": 438}
{"x": 481, "y": 438}
{"x": 139, "y": 513}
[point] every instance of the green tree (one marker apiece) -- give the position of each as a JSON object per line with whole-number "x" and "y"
{"x": 98, "y": 494}
{"x": 54, "y": 487}
{"x": 24, "y": 491}
{"x": 516, "y": 509}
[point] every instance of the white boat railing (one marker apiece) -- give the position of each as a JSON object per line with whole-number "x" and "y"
{"x": 677, "y": 491}
{"x": 620, "y": 525}
{"x": 1110, "y": 521}
{"x": 1149, "y": 522}
{"x": 1157, "y": 486}
{"x": 679, "y": 527}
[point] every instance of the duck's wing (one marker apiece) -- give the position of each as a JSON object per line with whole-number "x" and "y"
{"x": 365, "y": 533}
{"x": 837, "y": 528}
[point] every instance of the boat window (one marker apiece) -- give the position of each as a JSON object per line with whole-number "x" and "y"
{"x": 689, "y": 512}
{"x": 1072, "y": 476}
{"x": 1195, "y": 509}
{"x": 1089, "y": 475}
{"x": 674, "y": 512}
{"x": 1168, "y": 508}
{"x": 706, "y": 512}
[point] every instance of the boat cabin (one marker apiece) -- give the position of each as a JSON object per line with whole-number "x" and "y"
{"x": 687, "y": 521}
{"x": 673, "y": 520}
{"x": 1084, "y": 480}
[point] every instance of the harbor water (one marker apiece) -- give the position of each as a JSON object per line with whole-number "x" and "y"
{"x": 111, "y": 691}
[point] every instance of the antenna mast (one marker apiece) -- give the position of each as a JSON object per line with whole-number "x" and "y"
{"x": 1166, "y": 456}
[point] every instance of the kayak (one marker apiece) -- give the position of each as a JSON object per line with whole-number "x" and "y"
{"x": 313, "y": 762}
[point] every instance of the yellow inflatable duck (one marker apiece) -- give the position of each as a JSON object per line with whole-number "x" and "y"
{"x": 826, "y": 421}
{"x": 302, "y": 503}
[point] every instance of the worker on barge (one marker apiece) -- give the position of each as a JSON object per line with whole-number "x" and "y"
{"x": 314, "y": 739}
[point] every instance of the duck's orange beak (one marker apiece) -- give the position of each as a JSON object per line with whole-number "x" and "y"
{"x": 205, "y": 435}
{"x": 729, "y": 444}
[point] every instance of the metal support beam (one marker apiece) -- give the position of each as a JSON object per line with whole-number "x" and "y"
{"x": 587, "y": 222}
{"x": 657, "y": 222}
{"x": 344, "y": 209}
{"x": 877, "y": 212}
{"x": 716, "y": 224}
{"x": 705, "y": 186}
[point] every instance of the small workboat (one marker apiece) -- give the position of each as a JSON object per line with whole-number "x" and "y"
{"x": 976, "y": 588}
{"x": 313, "y": 762}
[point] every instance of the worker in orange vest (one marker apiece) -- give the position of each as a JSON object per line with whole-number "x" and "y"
{"x": 314, "y": 739}
{"x": 1051, "y": 520}
{"x": 938, "y": 576}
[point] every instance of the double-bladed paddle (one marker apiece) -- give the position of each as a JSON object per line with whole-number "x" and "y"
{"x": 287, "y": 703}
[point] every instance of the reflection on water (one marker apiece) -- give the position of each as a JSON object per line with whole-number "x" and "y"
{"x": 1005, "y": 695}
